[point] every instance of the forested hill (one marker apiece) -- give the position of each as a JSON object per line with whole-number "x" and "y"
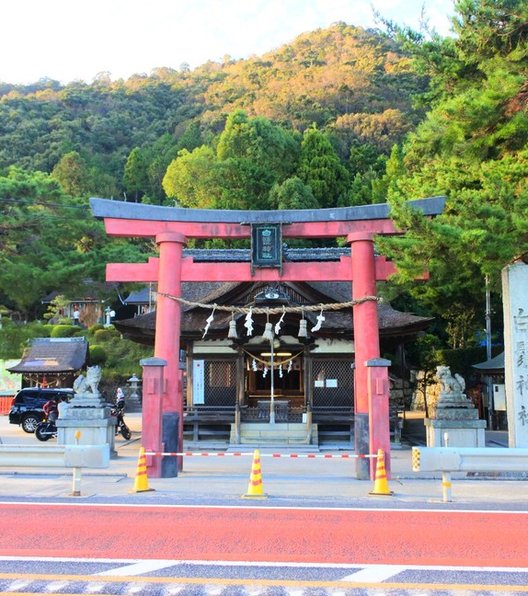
{"x": 355, "y": 84}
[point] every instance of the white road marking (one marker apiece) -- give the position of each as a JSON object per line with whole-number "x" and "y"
{"x": 138, "y": 568}
{"x": 289, "y": 564}
{"x": 19, "y": 585}
{"x": 374, "y": 574}
{"x": 267, "y": 507}
{"x": 94, "y": 588}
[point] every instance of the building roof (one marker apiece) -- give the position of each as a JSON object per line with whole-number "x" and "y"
{"x": 142, "y": 296}
{"x": 53, "y": 355}
{"x": 338, "y": 323}
{"x": 493, "y": 364}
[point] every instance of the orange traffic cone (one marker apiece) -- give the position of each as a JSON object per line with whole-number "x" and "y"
{"x": 141, "y": 481}
{"x": 255, "y": 488}
{"x": 381, "y": 486}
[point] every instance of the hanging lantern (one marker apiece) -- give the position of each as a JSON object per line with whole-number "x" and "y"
{"x": 303, "y": 329}
{"x": 232, "y": 333}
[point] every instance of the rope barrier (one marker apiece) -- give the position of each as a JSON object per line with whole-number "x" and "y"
{"x": 273, "y": 455}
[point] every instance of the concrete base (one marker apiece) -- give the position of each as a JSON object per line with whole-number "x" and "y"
{"x": 252, "y": 433}
{"x": 461, "y": 433}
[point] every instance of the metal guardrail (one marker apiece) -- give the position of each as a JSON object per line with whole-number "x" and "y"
{"x": 467, "y": 459}
{"x": 68, "y": 456}
{"x": 76, "y": 457}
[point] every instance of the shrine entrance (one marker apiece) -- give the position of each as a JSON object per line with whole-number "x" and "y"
{"x": 162, "y": 377}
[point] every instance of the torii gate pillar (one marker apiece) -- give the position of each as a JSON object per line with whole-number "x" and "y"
{"x": 366, "y": 342}
{"x": 168, "y": 322}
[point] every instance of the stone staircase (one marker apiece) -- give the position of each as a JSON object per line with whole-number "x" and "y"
{"x": 263, "y": 433}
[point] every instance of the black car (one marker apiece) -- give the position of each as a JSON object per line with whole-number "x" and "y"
{"x": 26, "y": 409}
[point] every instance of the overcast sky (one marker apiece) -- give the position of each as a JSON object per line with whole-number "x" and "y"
{"x": 71, "y": 40}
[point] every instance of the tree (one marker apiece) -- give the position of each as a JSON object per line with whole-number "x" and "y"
{"x": 321, "y": 169}
{"x": 72, "y": 174}
{"x": 293, "y": 193}
{"x": 191, "y": 178}
{"x": 472, "y": 147}
{"x": 135, "y": 177}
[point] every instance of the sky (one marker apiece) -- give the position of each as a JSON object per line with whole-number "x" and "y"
{"x": 69, "y": 40}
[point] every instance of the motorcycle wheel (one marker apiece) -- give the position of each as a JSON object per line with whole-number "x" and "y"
{"x": 41, "y": 433}
{"x": 125, "y": 432}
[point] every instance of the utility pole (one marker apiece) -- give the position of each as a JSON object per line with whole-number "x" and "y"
{"x": 489, "y": 385}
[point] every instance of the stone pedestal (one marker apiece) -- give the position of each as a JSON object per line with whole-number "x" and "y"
{"x": 461, "y": 433}
{"x": 86, "y": 420}
{"x": 455, "y": 415}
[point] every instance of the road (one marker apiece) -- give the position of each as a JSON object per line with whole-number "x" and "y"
{"x": 317, "y": 547}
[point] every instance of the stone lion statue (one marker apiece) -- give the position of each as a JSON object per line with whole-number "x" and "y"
{"x": 449, "y": 383}
{"x": 93, "y": 376}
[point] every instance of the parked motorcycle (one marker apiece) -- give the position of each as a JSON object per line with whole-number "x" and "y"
{"x": 119, "y": 412}
{"x": 46, "y": 430}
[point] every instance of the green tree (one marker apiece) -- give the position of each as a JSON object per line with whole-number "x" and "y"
{"x": 72, "y": 174}
{"x": 321, "y": 169}
{"x": 191, "y": 178}
{"x": 472, "y": 147}
{"x": 292, "y": 194}
{"x": 135, "y": 177}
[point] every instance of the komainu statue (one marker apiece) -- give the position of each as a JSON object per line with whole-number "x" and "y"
{"x": 450, "y": 383}
{"x": 82, "y": 384}
{"x": 452, "y": 389}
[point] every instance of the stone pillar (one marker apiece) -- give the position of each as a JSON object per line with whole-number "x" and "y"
{"x": 378, "y": 394}
{"x": 168, "y": 313}
{"x": 366, "y": 339}
{"x": 153, "y": 393}
{"x": 515, "y": 309}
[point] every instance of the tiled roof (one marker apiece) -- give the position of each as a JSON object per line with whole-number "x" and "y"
{"x": 53, "y": 355}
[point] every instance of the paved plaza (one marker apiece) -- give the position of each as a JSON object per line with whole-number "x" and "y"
{"x": 296, "y": 481}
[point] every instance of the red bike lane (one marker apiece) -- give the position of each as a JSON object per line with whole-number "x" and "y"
{"x": 264, "y": 534}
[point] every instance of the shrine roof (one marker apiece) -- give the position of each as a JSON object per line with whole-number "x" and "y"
{"x": 493, "y": 364}
{"x": 53, "y": 355}
{"x": 337, "y": 322}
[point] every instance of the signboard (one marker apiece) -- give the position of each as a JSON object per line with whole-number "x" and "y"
{"x": 10, "y": 383}
{"x": 198, "y": 382}
{"x": 266, "y": 245}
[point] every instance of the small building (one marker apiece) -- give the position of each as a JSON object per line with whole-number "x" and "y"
{"x": 235, "y": 383}
{"x": 495, "y": 403}
{"x": 142, "y": 301}
{"x": 52, "y": 362}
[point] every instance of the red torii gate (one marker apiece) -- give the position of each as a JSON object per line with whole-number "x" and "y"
{"x": 172, "y": 226}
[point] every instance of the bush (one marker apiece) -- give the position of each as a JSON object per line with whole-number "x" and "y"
{"x": 97, "y": 355}
{"x": 103, "y": 335}
{"x": 64, "y": 330}
{"x": 95, "y": 328}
